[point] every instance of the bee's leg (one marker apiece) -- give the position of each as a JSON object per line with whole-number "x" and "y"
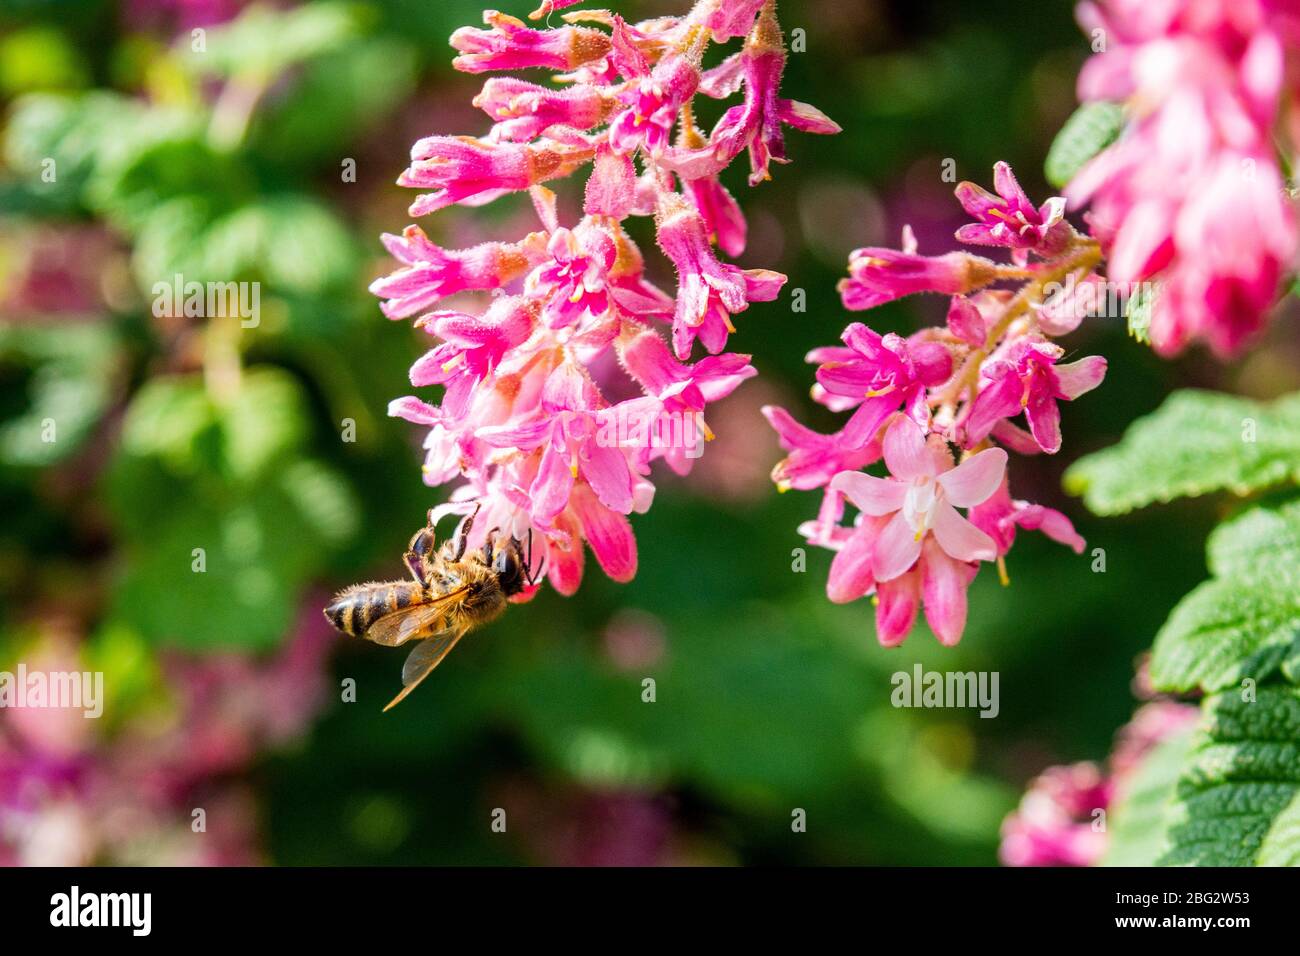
{"x": 418, "y": 553}
{"x": 528, "y": 569}
{"x": 462, "y": 533}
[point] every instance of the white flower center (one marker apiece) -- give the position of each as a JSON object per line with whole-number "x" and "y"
{"x": 918, "y": 506}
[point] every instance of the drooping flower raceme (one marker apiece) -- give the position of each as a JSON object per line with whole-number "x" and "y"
{"x": 1192, "y": 198}
{"x": 569, "y": 316}
{"x": 962, "y": 386}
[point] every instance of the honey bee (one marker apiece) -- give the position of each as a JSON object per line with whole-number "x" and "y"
{"x": 451, "y": 593}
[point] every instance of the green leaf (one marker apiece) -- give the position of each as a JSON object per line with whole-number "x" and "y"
{"x": 1196, "y": 442}
{"x": 339, "y": 96}
{"x": 1237, "y": 801}
{"x": 71, "y": 372}
{"x": 1228, "y": 630}
{"x": 1261, "y": 541}
{"x": 1139, "y": 821}
{"x": 1091, "y": 128}
{"x": 221, "y": 516}
{"x": 263, "y": 42}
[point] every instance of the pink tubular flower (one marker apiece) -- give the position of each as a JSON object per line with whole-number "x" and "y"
{"x": 523, "y": 110}
{"x": 709, "y": 292}
{"x": 559, "y": 391}
{"x": 878, "y": 275}
{"x": 999, "y": 516}
{"x": 510, "y": 45}
{"x": 431, "y": 273}
{"x": 756, "y": 123}
{"x": 461, "y": 168}
{"x": 1029, "y": 380}
{"x": 1191, "y": 198}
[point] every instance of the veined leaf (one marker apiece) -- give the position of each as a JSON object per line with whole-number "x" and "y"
{"x": 1196, "y": 442}
{"x": 1089, "y": 130}
{"x": 1262, "y": 541}
{"x": 1237, "y": 802}
{"x": 1227, "y": 630}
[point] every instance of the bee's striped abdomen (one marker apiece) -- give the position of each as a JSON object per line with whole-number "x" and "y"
{"x": 354, "y": 610}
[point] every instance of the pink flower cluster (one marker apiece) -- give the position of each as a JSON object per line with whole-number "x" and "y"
{"x": 1192, "y": 198}
{"x": 913, "y": 400}
{"x": 1058, "y": 821}
{"x": 570, "y": 317}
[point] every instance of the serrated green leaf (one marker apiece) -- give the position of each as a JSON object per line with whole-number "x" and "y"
{"x": 1138, "y": 822}
{"x": 1236, "y": 800}
{"x": 1225, "y": 631}
{"x": 1089, "y": 130}
{"x": 1196, "y": 442}
{"x": 1262, "y": 541}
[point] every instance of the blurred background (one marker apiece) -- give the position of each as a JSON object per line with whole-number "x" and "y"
{"x": 269, "y": 449}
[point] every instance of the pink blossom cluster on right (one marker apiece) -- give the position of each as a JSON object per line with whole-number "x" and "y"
{"x": 1192, "y": 197}
{"x": 958, "y": 386}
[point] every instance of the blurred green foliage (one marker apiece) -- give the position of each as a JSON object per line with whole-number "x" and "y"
{"x": 228, "y": 166}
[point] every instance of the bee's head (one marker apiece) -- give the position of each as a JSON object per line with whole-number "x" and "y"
{"x": 510, "y": 566}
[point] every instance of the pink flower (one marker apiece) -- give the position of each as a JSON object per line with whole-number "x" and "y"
{"x": 1010, "y": 219}
{"x": 814, "y": 458}
{"x": 510, "y": 45}
{"x": 523, "y": 111}
{"x": 676, "y": 397}
{"x": 461, "y": 168}
{"x": 756, "y": 123}
{"x": 573, "y": 284}
{"x": 878, "y": 275}
{"x": 1191, "y": 197}
{"x": 1054, "y": 825}
{"x": 432, "y": 273}
{"x": 878, "y": 374}
{"x": 709, "y": 292}
{"x": 1029, "y": 380}
{"x": 921, "y": 498}
{"x": 998, "y": 516}
{"x": 654, "y": 96}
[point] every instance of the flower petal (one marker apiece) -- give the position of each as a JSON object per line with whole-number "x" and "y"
{"x": 974, "y": 479}
{"x": 906, "y": 454}
{"x": 958, "y": 537}
{"x": 898, "y": 602}
{"x": 869, "y": 494}
{"x": 608, "y": 533}
{"x": 896, "y": 549}
{"x": 850, "y": 576}
{"x": 1076, "y": 378}
{"x": 1044, "y": 420}
{"x": 943, "y": 583}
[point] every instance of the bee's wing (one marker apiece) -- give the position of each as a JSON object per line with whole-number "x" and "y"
{"x": 427, "y": 655}
{"x": 415, "y": 622}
